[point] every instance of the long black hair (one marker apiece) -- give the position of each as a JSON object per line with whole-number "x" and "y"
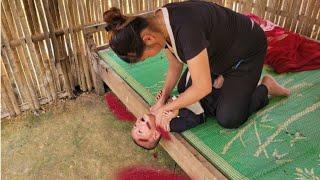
{"x": 125, "y": 40}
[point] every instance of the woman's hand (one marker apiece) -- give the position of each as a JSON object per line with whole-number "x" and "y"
{"x": 163, "y": 118}
{"x": 159, "y": 102}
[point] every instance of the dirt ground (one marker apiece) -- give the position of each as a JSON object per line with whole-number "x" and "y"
{"x": 73, "y": 139}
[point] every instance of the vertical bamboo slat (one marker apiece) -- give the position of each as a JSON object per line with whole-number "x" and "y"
{"x": 5, "y": 83}
{"x": 41, "y": 51}
{"x": 24, "y": 57}
{"x": 68, "y": 41}
{"x": 71, "y": 22}
{"x": 57, "y": 53}
{"x": 5, "y": 102}
{"x": 34, "y": 58}
{"x": 84, "y": 61}
{"x": 75, "y": 19}
{"x": 16, "y": 68}
{"x": 52, "y": 65}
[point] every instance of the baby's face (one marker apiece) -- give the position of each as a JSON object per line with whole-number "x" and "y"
{"x": 144, "y": 130}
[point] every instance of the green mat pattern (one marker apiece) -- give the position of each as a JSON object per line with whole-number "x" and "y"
{"x": 280, "y": 141}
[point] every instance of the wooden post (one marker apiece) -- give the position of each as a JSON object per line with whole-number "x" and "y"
{"x": 91, "y": 47}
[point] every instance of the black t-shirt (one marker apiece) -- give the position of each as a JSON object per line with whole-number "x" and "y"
{"x": 196, "y": 25}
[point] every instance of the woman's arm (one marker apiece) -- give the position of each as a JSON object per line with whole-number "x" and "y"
{"x": 172, "y": 77}
{"x": 201, "y": 83}
{"x": 173, "y": 74}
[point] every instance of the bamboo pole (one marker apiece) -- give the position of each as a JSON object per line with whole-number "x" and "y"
{"x": 13, "y": 30}
{"x": 6, "y": 84}
{"x": 84, "y": 61}
{"x": 12, "y": 78}
{"x": 64, "y": 20}
{"x": 56, "y": 48}
{"x": 52, "y": 65}
{"x": 7, "y": 63}
{"x": 24, "y": 56}
{"x": 97, "y": 10}
{"x": 41, "y": 51}
{"x": 75, "y": 46}
{"x": 75, "y": 19}
{"x": 135, "y": 6}
{"x": 35, "y": 53}
{"x": 64, "y": 63}
{"x": 17, "y": 70}
{"x": 311, "y": 13}
{"x": 28, "y": 67}
{"x": 5, "y": 101}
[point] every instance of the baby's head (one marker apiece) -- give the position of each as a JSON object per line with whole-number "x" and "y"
{"x": 144, "y": 132}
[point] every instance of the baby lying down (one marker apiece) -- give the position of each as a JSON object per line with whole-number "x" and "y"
{"x": 145, "y": 133}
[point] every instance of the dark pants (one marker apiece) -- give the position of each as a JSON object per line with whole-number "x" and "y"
{"x": 239, "y": 96}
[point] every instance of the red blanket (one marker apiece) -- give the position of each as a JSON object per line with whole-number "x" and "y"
{"x": 288, "y": 51}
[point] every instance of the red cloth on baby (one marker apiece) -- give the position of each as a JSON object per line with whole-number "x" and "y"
{"x": 288, "y": 51}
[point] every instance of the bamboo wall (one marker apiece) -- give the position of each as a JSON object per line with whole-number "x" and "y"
{"x": 43, "y": 55}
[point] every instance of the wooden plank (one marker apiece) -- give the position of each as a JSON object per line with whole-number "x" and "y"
{"x": 193, "y": 163}
{"x": 97, "y": 81}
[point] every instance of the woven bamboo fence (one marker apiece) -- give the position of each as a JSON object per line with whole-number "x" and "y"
{"x": 43, "y": 52}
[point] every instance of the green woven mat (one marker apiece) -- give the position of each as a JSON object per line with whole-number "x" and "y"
{"x": 280, "y": 141}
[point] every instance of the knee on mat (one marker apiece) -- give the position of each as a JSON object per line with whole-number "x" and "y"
{"x": 230, "y": 120}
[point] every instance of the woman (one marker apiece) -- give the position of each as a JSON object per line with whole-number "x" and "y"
{"x": 211, "y": 40}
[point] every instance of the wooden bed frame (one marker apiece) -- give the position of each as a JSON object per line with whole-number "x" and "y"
{"x": 187, "y": 157}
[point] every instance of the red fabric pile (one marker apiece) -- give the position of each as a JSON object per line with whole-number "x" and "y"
{"x": 288, "y": 51}
{"x": 143, "y": 173}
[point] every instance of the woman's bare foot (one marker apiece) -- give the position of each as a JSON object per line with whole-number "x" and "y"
{"x": 274, "y": 88}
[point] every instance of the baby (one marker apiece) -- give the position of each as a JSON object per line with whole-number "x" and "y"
{"x": 145, "y": 132}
